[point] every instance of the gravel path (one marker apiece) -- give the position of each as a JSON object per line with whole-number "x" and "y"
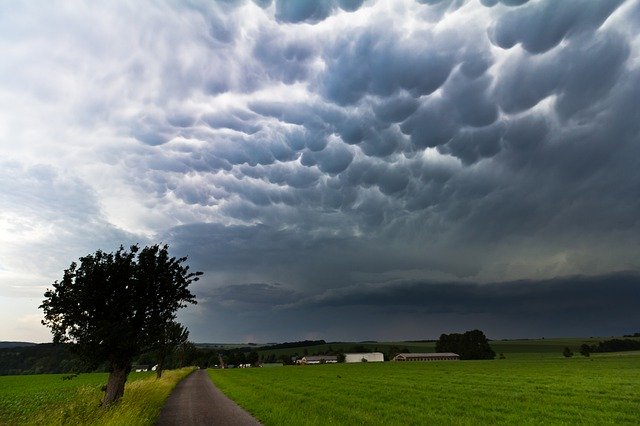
{"x": 196, "y": 401}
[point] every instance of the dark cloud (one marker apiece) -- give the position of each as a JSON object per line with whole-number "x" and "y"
{"x": 572, "y": 305}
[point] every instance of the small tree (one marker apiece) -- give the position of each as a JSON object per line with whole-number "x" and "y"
{"x": 170, "y": 336}
{"x": 585, "y": 350}
{"x": 567, "y": 352}
{"x": 111, "y": 306}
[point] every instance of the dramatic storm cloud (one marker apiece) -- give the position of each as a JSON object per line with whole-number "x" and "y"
{"x": 342, "y": 169}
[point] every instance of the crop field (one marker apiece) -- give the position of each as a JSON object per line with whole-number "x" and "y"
{"x": 48, "y": 399}
{"x": 523, "y": 389}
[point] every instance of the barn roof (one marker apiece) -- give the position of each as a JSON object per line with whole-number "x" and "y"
{"x": 320, "y": 357}
{"x": 428, "y": 354}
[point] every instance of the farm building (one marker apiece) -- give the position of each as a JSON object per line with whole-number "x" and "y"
{"x": 364, "y": 357}
{"x": 318, "y": 359}
{"x": 444, "y": 356}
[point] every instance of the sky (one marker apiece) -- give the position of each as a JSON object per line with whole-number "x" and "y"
{"x": 339, "y": 169}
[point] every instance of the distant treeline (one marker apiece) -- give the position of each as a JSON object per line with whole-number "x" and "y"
{"x": 616, "y": 345}
{"x": 288, "y": 345}
{"x": 36, "y": 359}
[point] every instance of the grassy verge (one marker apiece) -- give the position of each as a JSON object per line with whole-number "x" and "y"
{"x": 47, "y": 399}
{"x": 597, "y": 390}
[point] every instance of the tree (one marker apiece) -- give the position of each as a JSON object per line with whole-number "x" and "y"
{"x": 585, "y": 350}
{"x": 253, "y": 358}
{"x": 567, "y": 352}
{"x": 469, "y": 345}
{"x": 113, "y": 306}
{"x": 169, "y": 337}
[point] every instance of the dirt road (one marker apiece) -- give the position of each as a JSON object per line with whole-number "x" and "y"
{"x": 196, "y": 401}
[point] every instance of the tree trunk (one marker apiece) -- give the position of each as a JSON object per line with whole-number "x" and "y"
{"x": 159, "y": 367}
{"x": 115, "y": 385}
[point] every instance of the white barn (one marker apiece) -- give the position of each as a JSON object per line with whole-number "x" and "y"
{"x": 369, "y": 357}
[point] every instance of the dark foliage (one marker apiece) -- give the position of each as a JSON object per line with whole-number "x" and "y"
{"x": 37, "y": 359}
{"x": 616, "y": 345}
{"x": 585, "y": 350}
{"x": 4, "y": 345}
{"x": 567, "y": 352}
{"x": 469, "y": 345}
{"x": 168, "y": 338}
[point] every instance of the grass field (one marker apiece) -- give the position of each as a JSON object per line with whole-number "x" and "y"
{"x": 47, "y": 399}
{"x": 522, "y": 389}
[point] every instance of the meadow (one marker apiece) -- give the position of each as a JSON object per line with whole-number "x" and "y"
{"x": 48, "y": 399}
{"x": 525, "y": 388}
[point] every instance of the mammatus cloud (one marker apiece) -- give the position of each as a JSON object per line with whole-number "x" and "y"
{"x": 324, "y": 145}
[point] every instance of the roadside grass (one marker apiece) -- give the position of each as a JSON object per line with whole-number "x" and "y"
{"x": 47, "y": 399}
{"x": 530, "y": 390}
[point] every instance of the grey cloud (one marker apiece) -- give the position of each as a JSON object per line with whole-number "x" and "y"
{"x": 540, "y": 26}
{"x": 472, "y": 145}
{"x": 371, "y": 63}
{"x": 260, "y": 294}
{"x": 581, "y": 73}
{"x": 383, "y": 143}
{"x": 334, "y": 159}
{"x": 594, "y": 67}
{"x": 432, "y": 125}
{"x": 311, "y": 11}
{"x": 492, "y": 3}
{"x": 234, "y": 121}
{"x": 526, "y": 81}
{"x": 395, "y": 109}
{"x": 472, "y": 101}
{"x": 285, "y": 59}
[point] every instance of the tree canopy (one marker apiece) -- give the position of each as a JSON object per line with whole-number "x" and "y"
{"x": 469, "y": 345}
{"x": 113, "y": 306}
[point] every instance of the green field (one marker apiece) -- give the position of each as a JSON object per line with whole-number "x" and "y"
{"x": 48, "y": 399}
{"x": 531, "y": 388}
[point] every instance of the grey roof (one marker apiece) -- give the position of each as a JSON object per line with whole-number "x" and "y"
{"x": 428, "y": 354}
{"x": 321, "y": 357}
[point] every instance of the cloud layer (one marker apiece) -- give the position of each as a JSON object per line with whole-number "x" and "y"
{"x": 323, "y": 145}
